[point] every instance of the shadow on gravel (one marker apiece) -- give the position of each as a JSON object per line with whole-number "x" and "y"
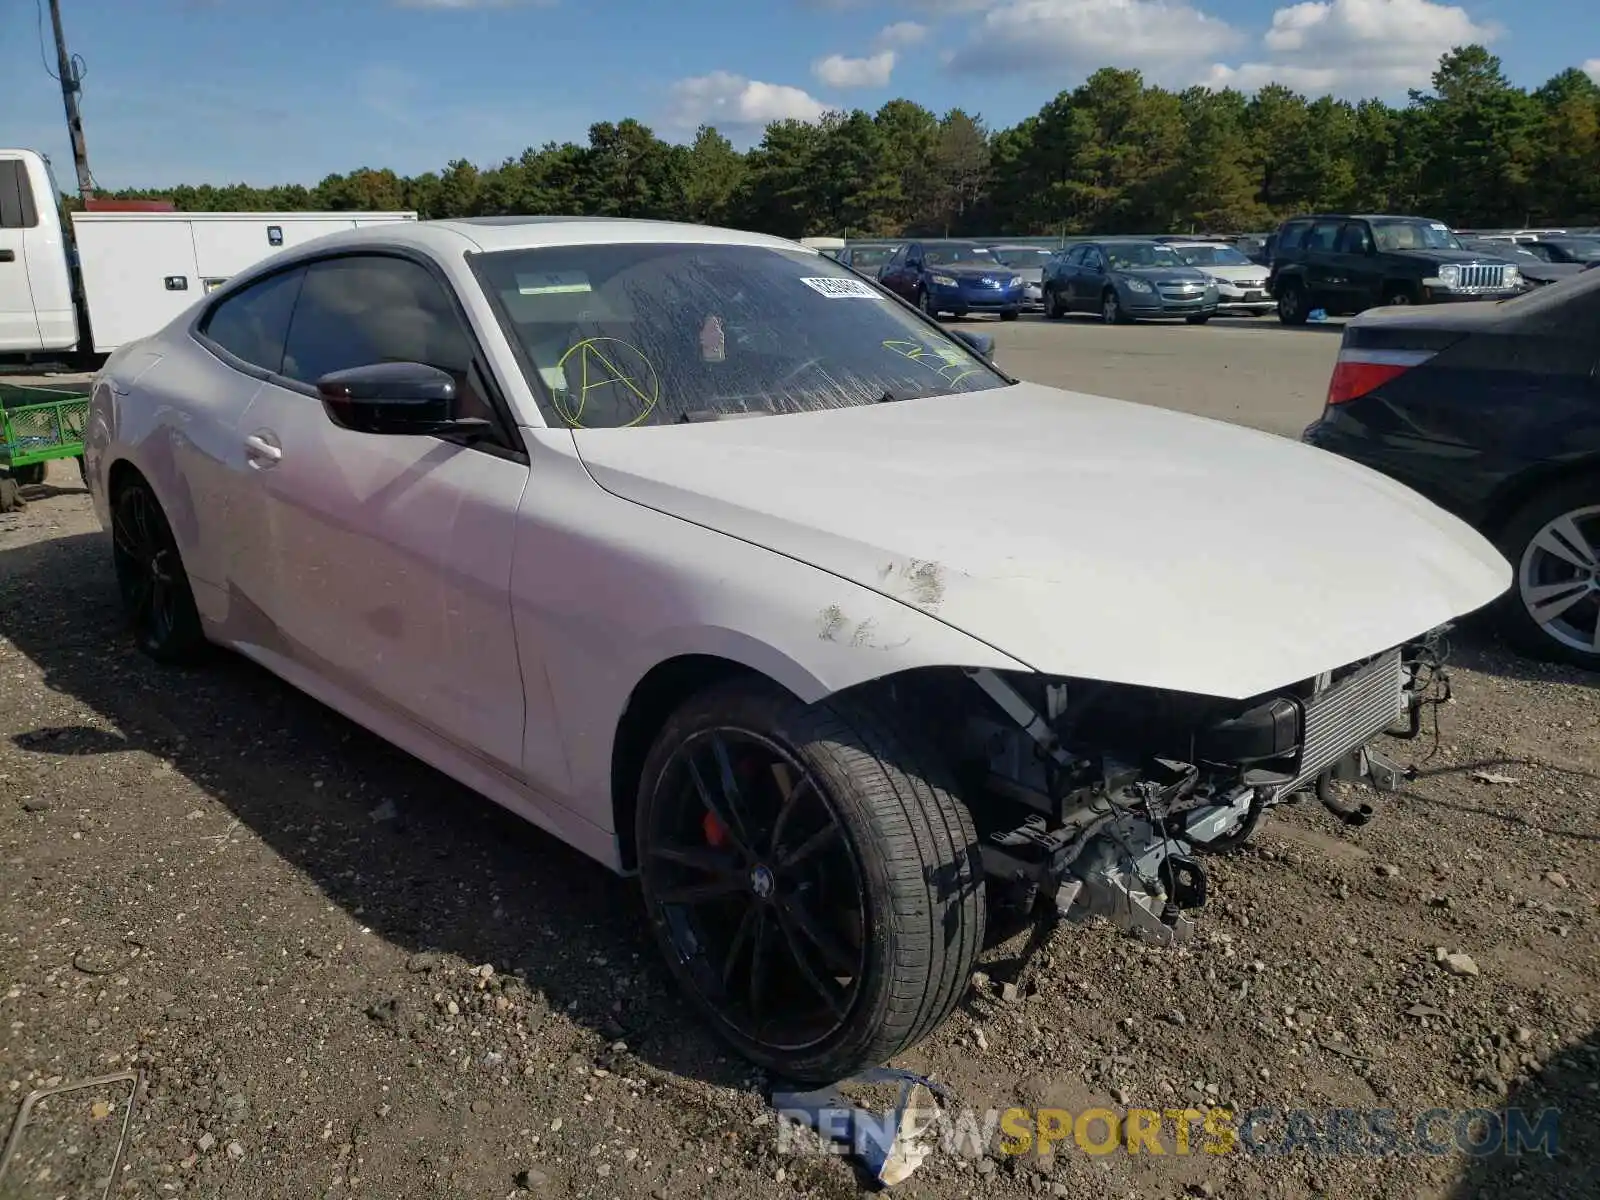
{"x": 1475, "y": 646}
{"x": 422, "y": 861}
{"x": 1565, "y": 1083}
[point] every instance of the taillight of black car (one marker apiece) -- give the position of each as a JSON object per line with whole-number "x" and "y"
{"x": 1360, "y": 371}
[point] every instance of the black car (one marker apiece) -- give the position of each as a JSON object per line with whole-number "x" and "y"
{"x": 1577, "y": 251}
{"x": 1492, "y": 410}
{"x": 1536, "y": 269}
{"x": 1346, "y": 264}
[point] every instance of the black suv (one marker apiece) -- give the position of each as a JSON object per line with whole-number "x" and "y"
{"x": 1344, "y": 264}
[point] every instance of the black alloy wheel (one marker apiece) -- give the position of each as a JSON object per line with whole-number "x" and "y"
{"x": 156, "y": 597}
{"x": 816, "y": 891}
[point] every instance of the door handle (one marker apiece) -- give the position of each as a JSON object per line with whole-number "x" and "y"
{"x": 8, "y": 256}
{"x": 261, "y": 450}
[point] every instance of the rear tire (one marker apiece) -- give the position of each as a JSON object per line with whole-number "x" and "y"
{"x": 156, "y": 597}
{"x": 901, "y": 911}
{"x": 1553, "y": 608}
{"x": 1294, "y": 307}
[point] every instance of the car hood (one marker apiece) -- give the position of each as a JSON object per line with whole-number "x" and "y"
{"x": 1234, "y": 274}
{"x": 965, "y": 272}
{"x": 1445, "y": 256}
{"x": 1162, "y": 274}
{"x": 1083, "y": 536}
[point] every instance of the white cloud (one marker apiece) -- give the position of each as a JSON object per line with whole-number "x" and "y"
{"x": 1356, "y": 47}
{"x": 725, "y": 99}
{"x": 1155, "y": 35}
{"x": 840, "y": 72}
{"x": 1591, "y": 68}
{"x": 902, "y": 33}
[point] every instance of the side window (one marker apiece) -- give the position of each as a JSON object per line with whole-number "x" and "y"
{"x": 895, "y": 259}
{"x": 1075, "y": 255}
{"x": 1354, "y": 238}
{"x": 367, "y": 309}
{"x": 1322, "y": 236}
{"x": 1093, "y": 259}
{"x": 1293, "y": 236}
{"x": 252, "y": 324}
{"x": 17, "y": 209}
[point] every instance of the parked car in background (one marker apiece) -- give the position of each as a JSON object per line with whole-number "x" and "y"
{"x": 1241, "y": 284}
{"x": 1257, "y": 247}
{"x": 956, "y": 277}
{"x": 1570, "y": 250}
{"x": 869, "y": 259}
{"x": 1345, "y": 264}
{"x": 1124, "y": 279}
{"x": 1028, "y": 262}
{"x": 1493, "y": 412}
{"x": 1536, "y": 270}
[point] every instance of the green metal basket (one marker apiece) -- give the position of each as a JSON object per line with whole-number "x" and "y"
{"x": 38, "y": 424}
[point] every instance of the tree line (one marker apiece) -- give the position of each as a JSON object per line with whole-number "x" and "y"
{"x": 1114, "y": 154}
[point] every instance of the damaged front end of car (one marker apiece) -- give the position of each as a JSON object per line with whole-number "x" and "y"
{"x": 1101, "y": 799}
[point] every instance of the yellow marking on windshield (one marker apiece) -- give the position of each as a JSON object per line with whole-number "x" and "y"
{"x": 589, "y": 349}
{"x": 953, "y": 365}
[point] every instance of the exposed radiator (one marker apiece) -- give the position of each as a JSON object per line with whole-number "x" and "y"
{"x": 1349, "y": 714}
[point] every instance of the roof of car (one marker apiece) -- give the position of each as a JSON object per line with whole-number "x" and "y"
{"x": 489, "y": 234}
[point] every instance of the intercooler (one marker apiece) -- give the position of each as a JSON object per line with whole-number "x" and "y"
{"x": 1348, "y": 714}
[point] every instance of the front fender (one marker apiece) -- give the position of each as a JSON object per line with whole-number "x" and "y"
{"x": 605, "y": 590}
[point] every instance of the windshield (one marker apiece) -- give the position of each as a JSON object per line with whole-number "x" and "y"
{"x": 1414, "y": 235}
{"x": 1502, "y": 249}
{"x": 1213, "y": 256}
{"x": 958, "y": 256}
{"x": 1142, "y": 254}
{"x": 649, "y": 334}
{"x": 1023, "y": 256}
{"x": 1579, "y": 249}
{"x": 874, "y": 256}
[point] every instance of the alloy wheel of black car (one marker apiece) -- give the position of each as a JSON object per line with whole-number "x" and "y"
{"x": 1292, "y": 303}
{"x": 1554, "y": 543}
{"x": 925, "y": 303}
{"x": 1052, "y": 304}
{"x": 817, "y": 893}
{"x": 156, "y": 597}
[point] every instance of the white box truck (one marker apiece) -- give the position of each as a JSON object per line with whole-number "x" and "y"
{"x": 122, "y": 275}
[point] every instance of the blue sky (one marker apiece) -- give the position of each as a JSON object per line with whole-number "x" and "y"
{"x": 289, "y": 90}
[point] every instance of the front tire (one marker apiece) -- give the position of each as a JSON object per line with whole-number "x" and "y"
{"x": 1396, "y": 296}
{"x": 1198, "y": 318}
{"x": 1009, "y": 314}
{"x": 1111, "y": 309}
{"x": 1293, "y": 307}
{"x": 813, "y": 883}
{"x": 926, "y": 305}
{"x": 1052, "y": 305}
{"x": 1553, "y": 609}
{"x": 156, "y": 597}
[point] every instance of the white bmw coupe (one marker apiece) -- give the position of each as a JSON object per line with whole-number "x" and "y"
{"x": 911, "y": 644}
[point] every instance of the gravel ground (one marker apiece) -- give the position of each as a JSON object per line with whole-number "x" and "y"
{"x": 343, "y": 975}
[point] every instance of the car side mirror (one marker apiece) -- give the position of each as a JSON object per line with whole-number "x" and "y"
{"x": 979, "y": 343}
{"x": 395, "y": 398}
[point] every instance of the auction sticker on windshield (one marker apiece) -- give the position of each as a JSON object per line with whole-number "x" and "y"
{"x": 835, "y": 288}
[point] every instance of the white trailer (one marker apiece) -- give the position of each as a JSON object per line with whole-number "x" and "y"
{"x": 123, "y": 275}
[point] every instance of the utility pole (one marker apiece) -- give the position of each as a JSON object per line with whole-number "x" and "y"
{"x": 67, "y": 70}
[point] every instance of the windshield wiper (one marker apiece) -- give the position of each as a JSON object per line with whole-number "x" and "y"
{"x": 693, "y": 416}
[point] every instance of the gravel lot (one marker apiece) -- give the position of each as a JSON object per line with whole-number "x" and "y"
{"x": 343, "y": 975}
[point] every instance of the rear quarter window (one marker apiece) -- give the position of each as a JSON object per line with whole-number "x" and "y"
{"x": 1292, "y": 236}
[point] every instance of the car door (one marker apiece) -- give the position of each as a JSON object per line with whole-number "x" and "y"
{"x": 1327, "y": 271}
{"x": 19, "y": 324}
{"x": 382, "y": 562}
{"x": 1089, "y": 278}
{"x": 1357, "y": 282}
{"x": 895, "y": 276}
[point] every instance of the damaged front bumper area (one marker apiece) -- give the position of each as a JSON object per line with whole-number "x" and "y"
{"x": 1098, "y": 799}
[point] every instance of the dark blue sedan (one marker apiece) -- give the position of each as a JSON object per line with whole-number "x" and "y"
{"x": 942, "y": 276}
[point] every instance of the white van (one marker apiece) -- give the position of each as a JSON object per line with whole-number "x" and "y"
{"x": 119, "y": 276}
